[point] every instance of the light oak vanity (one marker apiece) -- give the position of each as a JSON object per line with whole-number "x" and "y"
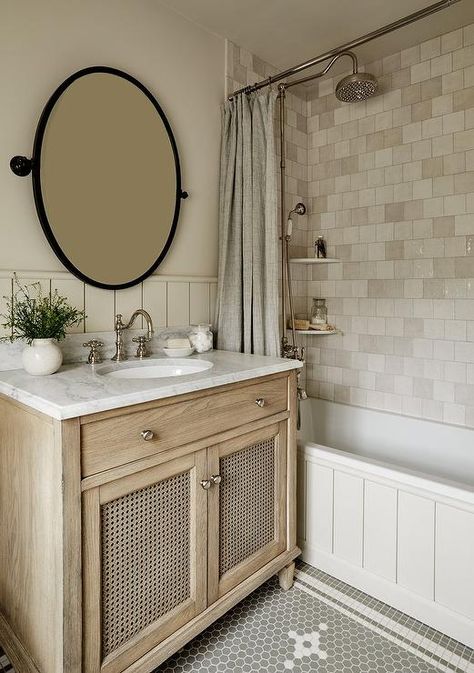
{"x": 126, "y": 532}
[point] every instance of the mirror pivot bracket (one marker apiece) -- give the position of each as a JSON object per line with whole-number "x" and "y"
{"x": 21, "y": 166}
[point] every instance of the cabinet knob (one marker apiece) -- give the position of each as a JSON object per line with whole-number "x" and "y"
{"x": 147, "y": 435}
{"x": 260, "y": 402}
{"x": 206, "y": 484}
{"x": 216, "y": 478}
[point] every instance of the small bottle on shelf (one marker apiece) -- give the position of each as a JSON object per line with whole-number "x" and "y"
{"x": 319, "y": 313}
{"x": 320, "y": 248}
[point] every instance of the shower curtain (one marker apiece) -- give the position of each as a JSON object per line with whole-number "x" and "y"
{"x": 247, "y": 291}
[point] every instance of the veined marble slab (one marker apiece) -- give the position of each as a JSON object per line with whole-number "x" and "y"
{"x": 78, "y": 390}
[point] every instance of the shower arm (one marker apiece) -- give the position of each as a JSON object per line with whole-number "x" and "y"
{"x": 384, "y": 30}
{"x": 317, "y": 75}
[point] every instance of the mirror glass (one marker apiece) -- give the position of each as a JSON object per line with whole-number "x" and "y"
{"x": 106, "y": 178}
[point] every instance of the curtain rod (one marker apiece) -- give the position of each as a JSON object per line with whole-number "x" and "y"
{"x": 395, "y": 25}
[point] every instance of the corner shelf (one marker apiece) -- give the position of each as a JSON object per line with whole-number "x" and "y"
{"x": 315, "y": 332}
{"x": 314, "y": 260}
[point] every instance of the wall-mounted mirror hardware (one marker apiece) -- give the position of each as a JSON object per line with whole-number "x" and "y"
{"x": 106, "y": 177}
{"x": 21, "y": 166}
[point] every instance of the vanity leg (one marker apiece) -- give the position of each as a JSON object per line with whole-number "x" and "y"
{"x": 286, "y": 576}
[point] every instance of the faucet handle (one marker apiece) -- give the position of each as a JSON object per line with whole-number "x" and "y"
{"x": 94, "y": 356}
{"x": 142, "y": 351}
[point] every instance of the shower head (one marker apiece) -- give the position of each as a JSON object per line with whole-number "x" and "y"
{"x": 299, "y": 209}
{"x": 356, "y": 87}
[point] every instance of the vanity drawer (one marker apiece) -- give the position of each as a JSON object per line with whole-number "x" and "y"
{"x": 114, "y": 441}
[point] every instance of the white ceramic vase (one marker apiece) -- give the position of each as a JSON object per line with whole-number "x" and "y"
{"x": 43, "y": 357}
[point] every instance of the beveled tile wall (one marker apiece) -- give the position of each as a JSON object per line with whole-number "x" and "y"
{"x": 391, "y": 187}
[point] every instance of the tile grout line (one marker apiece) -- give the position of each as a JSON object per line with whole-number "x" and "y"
{"x": 376, "y": 629}
{"x": 403, "y": 631}
{"x": 368, "y": 624}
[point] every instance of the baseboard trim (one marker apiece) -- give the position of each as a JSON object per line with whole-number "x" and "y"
{"x": 435, "y": 615}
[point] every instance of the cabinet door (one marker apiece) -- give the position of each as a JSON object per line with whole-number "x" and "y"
{"x": 247, "y": 509}
{"x": 145, "y": 560}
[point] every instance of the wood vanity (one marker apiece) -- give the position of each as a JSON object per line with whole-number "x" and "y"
{"x": 125, "y": 533}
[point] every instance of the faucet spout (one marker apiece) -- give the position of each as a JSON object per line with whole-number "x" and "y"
{"x": 148, "y": 320}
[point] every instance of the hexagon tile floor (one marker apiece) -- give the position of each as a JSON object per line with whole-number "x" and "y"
{"x": 321, "y": 625}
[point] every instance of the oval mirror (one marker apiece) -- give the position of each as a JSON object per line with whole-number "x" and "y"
{"x": 106, "y": 178}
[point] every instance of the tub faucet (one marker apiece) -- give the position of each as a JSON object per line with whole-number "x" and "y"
{"x": 120, "y": 327}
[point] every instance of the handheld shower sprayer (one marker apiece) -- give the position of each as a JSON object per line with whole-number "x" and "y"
{"x": 299, "y": 209}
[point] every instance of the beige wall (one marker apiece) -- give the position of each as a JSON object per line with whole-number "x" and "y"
{"x": 41, "y": 43}
{"x": 392, "y": 189}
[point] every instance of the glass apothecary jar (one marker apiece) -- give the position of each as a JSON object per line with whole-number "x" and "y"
{"x": 319, "y": 312}
{"x": 201, "y": 338}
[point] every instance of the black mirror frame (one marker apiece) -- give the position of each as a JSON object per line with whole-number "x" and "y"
{"x": 35, "y": 164}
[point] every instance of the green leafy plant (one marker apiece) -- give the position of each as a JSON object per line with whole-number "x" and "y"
{"x": 32, "y": 315}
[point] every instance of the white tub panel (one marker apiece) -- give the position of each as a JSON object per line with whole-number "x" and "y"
{"x": 403, "y": 510}
{"x": 380, "y": 530}
{"x": 416, "y": 521}
{"x": 454, "y": 585}
{"x": 348, "y": 517}
{"x": 319, "y": 504}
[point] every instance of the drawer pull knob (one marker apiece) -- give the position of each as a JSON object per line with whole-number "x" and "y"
{"x": 216, "y": 478}
{"x": 260, "y": 402}
{"x": 206, "y": 484}
{"x": 147, "y": 435}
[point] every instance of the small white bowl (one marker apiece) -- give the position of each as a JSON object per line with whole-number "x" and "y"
{"x": 178, "y": 352}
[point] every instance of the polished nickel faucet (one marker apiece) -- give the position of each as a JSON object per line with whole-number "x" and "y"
{"x": 120, "y": 327}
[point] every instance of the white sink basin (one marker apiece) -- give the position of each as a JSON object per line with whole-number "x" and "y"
{"x": 156, "y": 369}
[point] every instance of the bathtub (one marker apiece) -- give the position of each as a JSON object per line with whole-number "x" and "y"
{"x": 386, "y": 504}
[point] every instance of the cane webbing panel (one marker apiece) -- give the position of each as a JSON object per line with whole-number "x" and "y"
{"x": 247, "y": 503}
{"x": 145, "y": 558}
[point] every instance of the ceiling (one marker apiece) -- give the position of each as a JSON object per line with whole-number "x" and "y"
{"x": 286, "y": 32}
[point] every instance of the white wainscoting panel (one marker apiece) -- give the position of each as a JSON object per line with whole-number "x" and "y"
{"x": 5, "y": 293}
{"x": 380, "y": 530}
{"x": 100, "y": 309}
{"x": 199, "y": 303}
{"x": 454, "y": 585}
{"x": 212, "y": 302}
{"x": 170, "y": 300}
{"x": 155, "y": 301}
{"x": 319, "y": 529}
{"x": 348, "y": 517}
{"x": 127, "y": 301}
{"x": 74, "y": 290}
{"x": 416, "y": 531}
{"x": 178, "y": 304}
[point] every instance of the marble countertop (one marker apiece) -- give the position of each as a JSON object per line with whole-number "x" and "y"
{"x": 80, "y": 389}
